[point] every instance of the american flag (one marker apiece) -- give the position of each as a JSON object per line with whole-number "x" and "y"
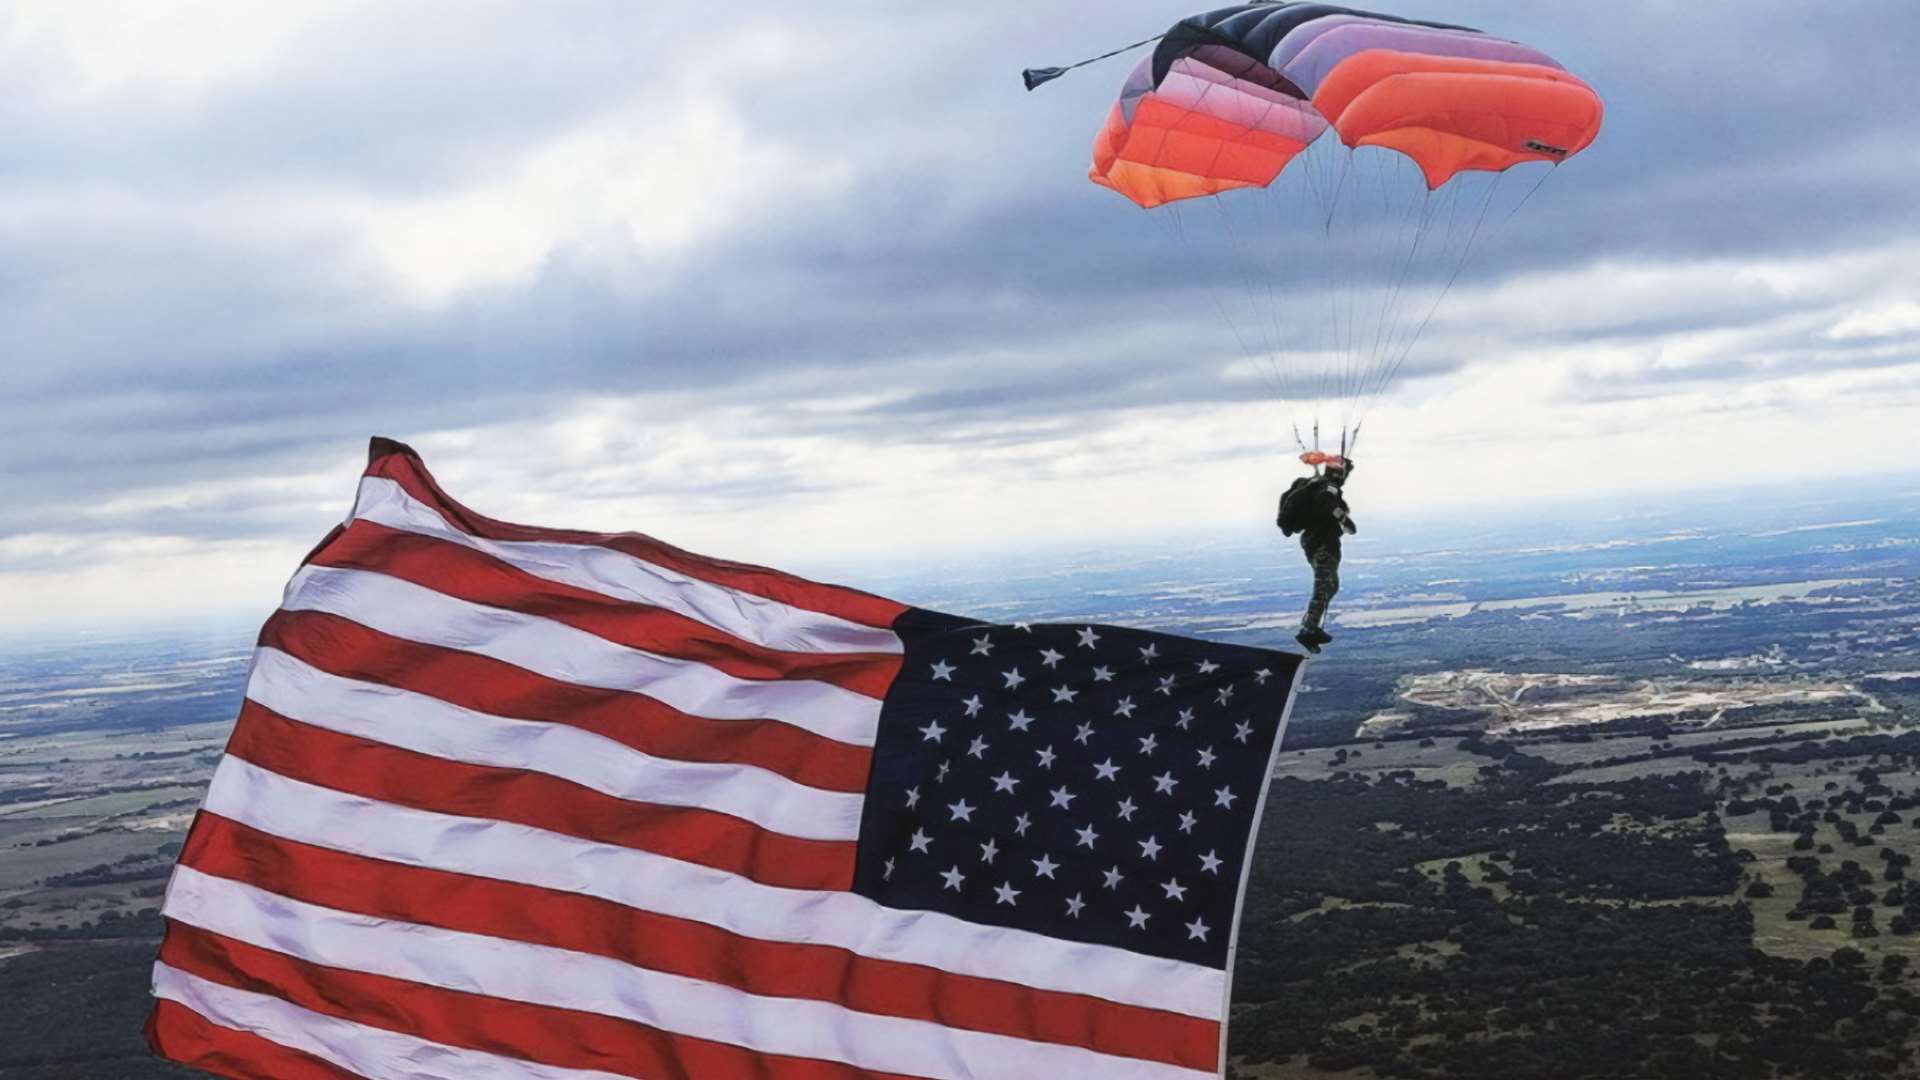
{"x": 515, "y": 802}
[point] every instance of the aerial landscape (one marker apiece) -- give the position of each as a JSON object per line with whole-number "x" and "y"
{"x": 1648, "y": 788}
{"x": 994, "y": 541}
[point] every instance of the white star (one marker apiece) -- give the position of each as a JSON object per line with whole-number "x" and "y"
{"x": 932, "y": 732}
{"x": 1061, "y": 797}
{"x": 1188, "y": 821}
{"x": 1046, "y": 757}
{"x": 1019, "y": 721}
{"x": 1175, "y": 890}
{"x": 1014, "y": 679}
{"x": 978, "y": 749}
{"x": 1027, "y": 626}
{"x": 1262, "y": 676}
{"x": 1101, "y": 674}
{"x": 1243, "y": 731}
{"x": 1163, "y": 784}
{"x": 1225, "y": 695}
{"x": 913, "y": 797}
{"x": 982, "y": 646}
{"x": 941, "y": 776}
{"x": 1050, "y": 658}
{"x": 973, "y": 705}
{"x": 1150, "y": 848}
{"x": 1149, "y": 651}
{"x": 1186, "y": 718}
{"x": 1114, "y": 877}
{"x": 1127, "y": 809}
{"x": 1208, "y": 667}
{"x": 1148, "y": 743}
{"x": 1137, "y": 919}
{"x": 1124, "y": 708}
{"x": 1087, "y": 837}
{"x": 1061, "y": 693}
{"x": 1006, "y": 893}
{"x": 1088, "y": 637}
{"x": 1210, "y": 863}
{"x": 942, "y": 671}
{"x": 1021, "y": 824}
{"x": 1196, "y": 931}
{"x": 1106, "y": 770}
{"x": 988, "y": 850}
{"x": 1074, "y": 906}
{"x": 1004, "y": 782}
{"x": 1166, "y": 686}
{"x": 887, "y": 874}
{"x": 1045, "y": 866}
{"x": 1224, "y": 797}
{"x": 919, "y": 841}
{"x": 961, "y": 811}
{"x": 1206, "y": 757}
{"x": 954, "y": 878}
{"x": 1085, "y": 733}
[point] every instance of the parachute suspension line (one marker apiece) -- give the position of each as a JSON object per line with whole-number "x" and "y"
{"x": 1433, "y": 204}
{"x": 1405, "y": 347}
{"x": 1418, "y": 216}
{"x": 1337, "y": 266}
{"x": 1245, "y": 273}
{"x": 1429, "y": 205}
{"x": 1467, "y": 254}
{"x": 1383, "y": 250}
{"x": 1176, "y": 225}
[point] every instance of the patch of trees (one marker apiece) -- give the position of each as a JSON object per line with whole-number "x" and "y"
{"x": 76, "y": 1011}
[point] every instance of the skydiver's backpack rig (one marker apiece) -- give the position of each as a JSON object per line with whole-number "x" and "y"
{"x": 1293, "y": 507}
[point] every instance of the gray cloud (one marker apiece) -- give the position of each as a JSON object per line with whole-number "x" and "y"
{"x": 158, "y": 332}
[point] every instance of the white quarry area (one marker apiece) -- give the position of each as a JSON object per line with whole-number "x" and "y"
{"x": 1525, "y": 702}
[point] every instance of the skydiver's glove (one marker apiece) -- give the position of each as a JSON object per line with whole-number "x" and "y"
{"x": 1347, "y": 525}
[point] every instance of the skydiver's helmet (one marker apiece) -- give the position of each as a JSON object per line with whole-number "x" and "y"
{"x": 1337, "y": 469}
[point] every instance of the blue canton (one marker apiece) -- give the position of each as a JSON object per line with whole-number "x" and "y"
{"x": 1085, "y": 782}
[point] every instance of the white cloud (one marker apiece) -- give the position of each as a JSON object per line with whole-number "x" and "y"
{"x": 1889, "y": 319}
{"x": 81, "y": 53}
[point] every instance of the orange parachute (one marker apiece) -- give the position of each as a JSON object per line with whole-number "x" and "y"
{"x": 1345, "y": 255}
{"x": 1228, "y": 98}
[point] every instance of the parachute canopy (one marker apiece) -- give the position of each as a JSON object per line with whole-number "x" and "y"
{"x": 1229, "y": 97}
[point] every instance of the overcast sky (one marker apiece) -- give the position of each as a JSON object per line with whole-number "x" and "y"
{"x": 807, "y": 283}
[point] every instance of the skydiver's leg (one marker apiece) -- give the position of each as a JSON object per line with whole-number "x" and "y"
{"x": 1325, "y": 560}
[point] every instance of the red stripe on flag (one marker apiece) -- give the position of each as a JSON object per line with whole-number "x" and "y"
{"x": 454, "y": 901}
{"x": 564, "y": 1038}
{"x": 400, "y": 464}
{"x": 345, "y": 648}
{"x": 470, "y": 575}
{"x": 388, "y": 774}
{"x": 177, "y": 1033}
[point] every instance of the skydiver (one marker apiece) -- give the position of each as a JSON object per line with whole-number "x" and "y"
{"x": 1315, "y": 507}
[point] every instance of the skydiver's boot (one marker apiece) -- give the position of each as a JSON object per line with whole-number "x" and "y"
{"x": 1321, "y": 636}
{"x": 1310, "y": 637}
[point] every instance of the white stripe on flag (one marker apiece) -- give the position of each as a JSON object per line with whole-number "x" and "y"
{"x": 302, "y": 812}
{"x": 427, "y": 725}
{"x": 558, "y": 651}
{"x": 372, "y": 1052}
{"x": 603, "y": 570}
{"x": 543, "y": 975}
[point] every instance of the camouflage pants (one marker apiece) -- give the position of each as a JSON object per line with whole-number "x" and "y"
{"x": 1325, "y": 560}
